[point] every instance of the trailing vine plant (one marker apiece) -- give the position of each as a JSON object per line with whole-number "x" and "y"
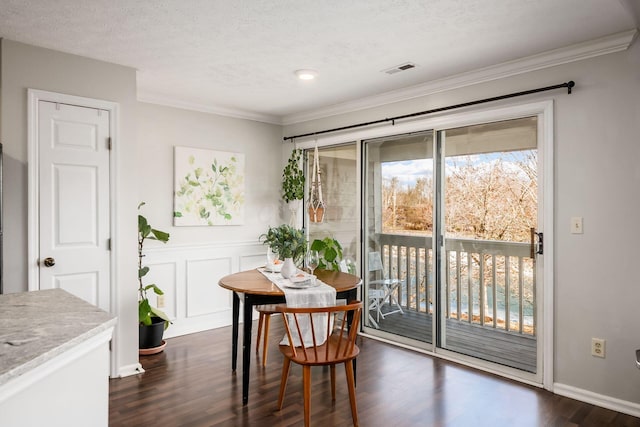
{"x": 293, "y": 178}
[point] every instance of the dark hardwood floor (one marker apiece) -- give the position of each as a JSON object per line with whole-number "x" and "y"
{"x": 191, "y": 384}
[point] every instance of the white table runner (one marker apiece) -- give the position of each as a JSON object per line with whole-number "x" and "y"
{"x": 321, "y": 295}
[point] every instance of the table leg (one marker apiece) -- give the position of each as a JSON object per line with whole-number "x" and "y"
{"x": 234, "y": 331}
{"x": 246, "y": 347}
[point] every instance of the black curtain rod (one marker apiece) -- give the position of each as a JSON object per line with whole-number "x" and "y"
{"x": 568, "y": 85}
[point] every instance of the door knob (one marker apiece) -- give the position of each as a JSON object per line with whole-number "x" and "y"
{"x": 49, "y": 262}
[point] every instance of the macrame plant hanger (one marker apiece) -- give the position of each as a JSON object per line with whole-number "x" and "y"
{"x": 316, "y": 204}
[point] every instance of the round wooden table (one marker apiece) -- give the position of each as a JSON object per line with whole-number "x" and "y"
{"x": 256, "y": 289}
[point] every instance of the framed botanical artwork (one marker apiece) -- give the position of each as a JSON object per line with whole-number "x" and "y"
{"x": 208, "y": 187}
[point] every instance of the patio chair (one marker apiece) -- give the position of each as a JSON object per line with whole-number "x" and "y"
{"x": 382, "y": 291}
{"x": 337, "y": 346}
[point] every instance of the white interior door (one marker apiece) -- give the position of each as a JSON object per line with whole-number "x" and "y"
{"x": 73, "y": 182}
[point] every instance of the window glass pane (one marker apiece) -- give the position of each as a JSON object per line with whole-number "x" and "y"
{"x": 338, "y": 176}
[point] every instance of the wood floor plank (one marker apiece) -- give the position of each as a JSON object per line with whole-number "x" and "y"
{"x": 190, "y": 384}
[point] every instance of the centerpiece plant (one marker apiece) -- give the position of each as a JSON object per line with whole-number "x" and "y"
{"x": 148, "y": 315}
{"x": 289, "y": 243}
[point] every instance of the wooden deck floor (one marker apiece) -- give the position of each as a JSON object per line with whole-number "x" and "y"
{"x": 506, "y": 348}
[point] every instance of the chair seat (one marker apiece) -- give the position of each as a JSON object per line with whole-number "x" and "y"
{"x": 266, "y": 308}
{"x": 322, "y": 355}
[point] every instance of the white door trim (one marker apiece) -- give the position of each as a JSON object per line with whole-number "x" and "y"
{"x": 33, "y": 234}
{"x": 545, "y": 130}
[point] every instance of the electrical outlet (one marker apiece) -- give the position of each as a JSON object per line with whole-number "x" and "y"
{"x": 160, "y": 301}
{"x": 598, "y": 347}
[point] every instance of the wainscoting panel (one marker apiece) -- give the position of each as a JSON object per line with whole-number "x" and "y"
{"x": 204, "y": 296}
{"x": 247, "y": 262}
{"x": 189, "y": 277}
{"x": 163, "y": 275}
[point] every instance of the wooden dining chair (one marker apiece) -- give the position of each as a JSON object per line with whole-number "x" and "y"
{"x": 265, "y": 311}
{"x": 337, "y": 345}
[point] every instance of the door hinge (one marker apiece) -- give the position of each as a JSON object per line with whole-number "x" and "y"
{"x": 109, "y": 244}
{"x": 109, "y": 143}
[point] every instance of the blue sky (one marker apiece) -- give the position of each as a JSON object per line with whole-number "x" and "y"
{"x": 408, "y": 171}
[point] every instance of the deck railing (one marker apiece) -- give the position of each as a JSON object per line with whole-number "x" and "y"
{"x": 489, "y": 283}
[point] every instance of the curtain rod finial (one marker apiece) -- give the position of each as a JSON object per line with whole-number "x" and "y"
{"x": 570, "y": 85}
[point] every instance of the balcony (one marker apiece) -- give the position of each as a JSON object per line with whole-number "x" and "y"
{"x": 489, "y": 299}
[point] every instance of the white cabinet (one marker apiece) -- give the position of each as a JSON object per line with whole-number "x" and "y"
{"x": 55, "y": 373}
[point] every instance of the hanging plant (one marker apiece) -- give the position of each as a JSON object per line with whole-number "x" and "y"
{"x": 316, "y": 204}
{"x": 293, "y": 178}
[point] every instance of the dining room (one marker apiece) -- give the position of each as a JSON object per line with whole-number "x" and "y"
{"x": 538, "y": 329}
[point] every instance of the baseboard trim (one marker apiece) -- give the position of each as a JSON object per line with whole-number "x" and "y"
{"x": 193, "y": 325}
{"x": 128, "y": 370}
{"x": 602, "y": 400}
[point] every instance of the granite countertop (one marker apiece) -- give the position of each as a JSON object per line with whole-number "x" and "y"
{"x": 38, "y": 326}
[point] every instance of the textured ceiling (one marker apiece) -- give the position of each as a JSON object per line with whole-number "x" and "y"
{"x": 240, "y": 56}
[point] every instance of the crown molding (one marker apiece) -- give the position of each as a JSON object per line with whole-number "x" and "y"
{"x": 168, "y": 101}
{"x": 590, "y": 49}
{"x": 602, "y": 46}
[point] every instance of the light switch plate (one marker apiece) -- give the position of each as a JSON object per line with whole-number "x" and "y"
{"x": 576, "y": 225}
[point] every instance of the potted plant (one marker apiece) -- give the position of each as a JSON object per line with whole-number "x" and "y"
{"x": 289, "y": 243}
{"x": 152, "y": 321}
{"x": 330, "y": 252}
{"x": 293, "y": 184}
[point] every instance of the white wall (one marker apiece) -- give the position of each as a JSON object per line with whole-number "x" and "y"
{"x": 23, "y": 67}
{"x": 189, "y": 266}
{"x": 597, "y": 171}
{"x": 147, "y": 136}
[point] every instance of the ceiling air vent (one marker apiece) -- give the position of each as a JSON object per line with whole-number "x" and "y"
{"x": 401, "y": 67}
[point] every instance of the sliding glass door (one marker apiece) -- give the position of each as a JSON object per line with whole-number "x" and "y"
{"x": 449, "y": 262}
{"x": 487, "y": 209}
{"x": 398, "y": 229}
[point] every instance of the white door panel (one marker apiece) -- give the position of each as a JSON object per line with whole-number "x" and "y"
{"x": 75, "y": 186}
{"x": 74, "y": 200}
{"x": 83, "y": 285}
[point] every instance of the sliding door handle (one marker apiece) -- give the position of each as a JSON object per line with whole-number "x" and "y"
{"x": 536, "y": 240}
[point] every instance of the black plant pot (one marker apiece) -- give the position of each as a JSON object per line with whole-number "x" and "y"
{"x": 151, "y": 336}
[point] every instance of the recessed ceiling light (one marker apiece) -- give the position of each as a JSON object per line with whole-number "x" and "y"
{"x": 306, "y": 74}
